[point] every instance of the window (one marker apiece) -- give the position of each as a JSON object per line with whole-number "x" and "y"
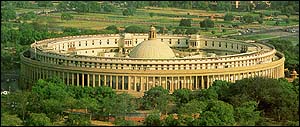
{"x": 170, "y": 42}
{"x": 213, "y": 43}
{"x": 205, "y": 43}
{"x": 135, "y": 41}
{"x": 237, "y": 46}
{"x": 79, "y": 44}
{"x": 226, "y": 44}
{"x": 85, "y": 51}
{"x": 107, "y": 41}
{"x": 162, "y": 40}
{"x": 93, "y": 43}
{"x": 232, "y": 45}
{"x": 219, "y": 44}
{"x": 186, "y": 42}
{"x": 92, "y": 51}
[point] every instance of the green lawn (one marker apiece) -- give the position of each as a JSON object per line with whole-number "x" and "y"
{"x": 162, "y": 17}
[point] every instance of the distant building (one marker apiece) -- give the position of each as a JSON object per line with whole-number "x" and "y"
{"x": 135, "y": 63}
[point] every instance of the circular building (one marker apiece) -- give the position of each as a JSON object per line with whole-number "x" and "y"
{"x": 134, "y": 63}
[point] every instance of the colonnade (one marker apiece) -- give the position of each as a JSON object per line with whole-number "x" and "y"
{"x": 141, "y": 83}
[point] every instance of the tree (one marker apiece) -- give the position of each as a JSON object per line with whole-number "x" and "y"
{"x": 193, "y": 107}
{"x": 123, "y": 122}
{"x": 37, "y": 119}
{"x": 151, "y": 14}
{"x": 185, "y": 22}
{"x": 170, "y": 121}
{"x": 287, "y": 10}
{"x": 246, "y": 114}
{"x": 287, "y": 21}
{"x": 45, "y": 4}
{"x": 163, "y": 4}
{"x": 18, "y": 103}
{"x": 276, "y": 98}
{"x": 224, "y": 30}
{"x": 153, "y": 120}
{"x": 218, "y": 113}
{"x": 248, "y": 18}
{"x": 78, "y": 120}
{"x": 182, "y": 96}
{"x": 207, "y": 23}
{"x": 259, "y": 20}
{"x": 8, "y": 13}
{"x": 66, "y": 16}
{"x": 228, "y": 17}
{"x": 28, "y": 16}
{"x": 113, "y": 28}
{"x": 135, "y": 29}
{"x": 63, "y": 6}
{"x": 155, "y": 97}
{"x": 10, "y": 120}
{"x": 179, "y": 31}
{"x": 202, "y": 5}
{"x": 107, "y": 7}
{"x": 213, "y": 32}
{"x": 191, "y": 31}
{"x": 124, "y": 104}
{"x": 221, "y": 89}
{"x": 129, "y": 11}
{"x": 207, "y": 94}
{"x": 224, "y": 5}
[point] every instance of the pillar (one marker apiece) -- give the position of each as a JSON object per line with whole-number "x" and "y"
{"x": 160, "y": 83}
{"x": 68, "y": 78}
{"x": 184, "y": 82}
{"x": 142, "y": 84}
{"x": 105, "y": 80}
{"x": 208, "y": 81}
{"x": 82, "y": 80}
{"x": 196, "y": 82}
{"x": 117, "y": 82}
{"x": 110, "y": 81}
{"x": 93, "y": 80}
{"x": 72, "y": 78}
{"x": 147, "y": 83}
{"x": 134, "y": 85}
{"x": 123, "y": 83}
{"x": 88, "y": 80}
{"x": 172, "y": 84}
{"x": 202, "y": 82}
{"x": 166, "y": 83}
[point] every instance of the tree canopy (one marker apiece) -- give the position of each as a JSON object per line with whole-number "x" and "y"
{"x": 207, "y": 23}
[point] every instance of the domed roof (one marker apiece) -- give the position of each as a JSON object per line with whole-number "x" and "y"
{"x": 152, "y": 48}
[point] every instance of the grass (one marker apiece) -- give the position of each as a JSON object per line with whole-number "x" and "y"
{"x": 162, "y": 17}
{"x": 254, "y": 37}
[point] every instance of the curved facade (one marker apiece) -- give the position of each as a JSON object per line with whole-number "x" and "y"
{"x": 104, "y": 60}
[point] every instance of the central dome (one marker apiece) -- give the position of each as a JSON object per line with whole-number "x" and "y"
{"x": 152, "y": 48}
